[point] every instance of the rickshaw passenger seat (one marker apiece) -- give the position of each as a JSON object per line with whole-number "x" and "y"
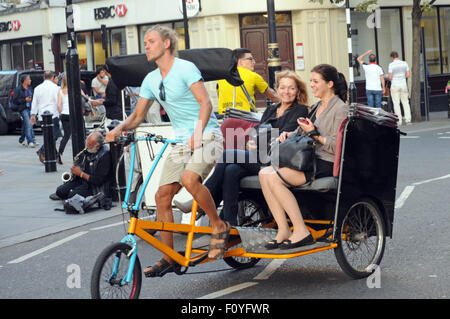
{"x": 323, "y": 185}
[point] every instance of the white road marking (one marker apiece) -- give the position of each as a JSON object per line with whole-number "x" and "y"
{"x": 410, "y": 136}
{"x": 444, "y": 137}
{"x": 44, "y": 249}
{"x": 403, "y": 196}
{"x": 108, "y": 226}
{"x": 409, "y": 189}
{"x": 270, "y": 269}
{"x": 229, "y": 290}
{"x": 432, "y": 180}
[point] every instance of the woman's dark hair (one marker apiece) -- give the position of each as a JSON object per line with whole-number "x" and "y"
{"x": 330, "y": 73}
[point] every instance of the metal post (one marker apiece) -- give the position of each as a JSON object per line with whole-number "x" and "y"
{"x": 426, "y": 98}
{"x": 73, "y": 85}
{"x": 116, "y": 150}
{"x": 352, "y": 86}
{"x": 49, "y": 142}
{"x": 274, "y": 60}
{"x": 187, "y": 43}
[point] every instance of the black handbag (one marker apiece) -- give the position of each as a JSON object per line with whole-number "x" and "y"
{"x": 296, "y": 152}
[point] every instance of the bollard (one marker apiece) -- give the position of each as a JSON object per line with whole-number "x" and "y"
{"x": 116, "y": 151}
{"x": 49, "y": 142}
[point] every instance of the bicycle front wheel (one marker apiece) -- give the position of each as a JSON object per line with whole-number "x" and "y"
{"x": 110, "y": 269}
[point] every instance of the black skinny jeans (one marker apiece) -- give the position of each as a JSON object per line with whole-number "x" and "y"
{"x": 65, "y": 120}
{"x": 224, "y": 182}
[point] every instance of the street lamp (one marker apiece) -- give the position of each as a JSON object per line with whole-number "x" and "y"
{"x": 352, "y": 86}
{"x": 274, "y": 60}
{"x": 73, "y": 84}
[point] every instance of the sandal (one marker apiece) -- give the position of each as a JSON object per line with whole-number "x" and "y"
{"x": 160, "y": 270}
{"x": 224, "y": 236}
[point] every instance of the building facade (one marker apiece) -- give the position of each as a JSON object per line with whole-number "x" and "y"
{"x": 33, "y": 33}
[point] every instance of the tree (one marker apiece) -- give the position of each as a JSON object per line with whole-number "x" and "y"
{"x": 419, "y": 7}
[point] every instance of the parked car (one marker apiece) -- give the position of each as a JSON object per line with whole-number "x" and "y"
{"x": 9, "y": 80}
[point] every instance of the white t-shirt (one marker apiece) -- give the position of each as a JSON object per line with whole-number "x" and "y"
{"x": 99, "y": 85}
{"x": 64, "y": 102}
{"x": 373, "y": 73}
{"x": 398, "y": 68}
{"x": 45, "y": 98}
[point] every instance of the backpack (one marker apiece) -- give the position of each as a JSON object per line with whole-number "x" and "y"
{"x": 15, "y": 107}
{"x": 78, "y": 204}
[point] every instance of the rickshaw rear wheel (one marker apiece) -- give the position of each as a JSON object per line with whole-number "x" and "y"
{"x": 250, "y": 214}
{"x": 361, "y": 239}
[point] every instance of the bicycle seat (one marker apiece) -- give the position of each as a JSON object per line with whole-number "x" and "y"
{"x": 324, "y": 184}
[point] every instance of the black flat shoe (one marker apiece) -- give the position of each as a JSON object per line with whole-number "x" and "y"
{"x": 273, "y": 244}
{"x": 287, "y": 244}
{"x": 160, "y": 270}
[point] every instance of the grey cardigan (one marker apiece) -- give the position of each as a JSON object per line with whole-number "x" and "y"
{"x": 327, "y": 124}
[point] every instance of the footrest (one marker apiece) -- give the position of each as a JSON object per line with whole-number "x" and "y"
{"x": 254, "y": 238}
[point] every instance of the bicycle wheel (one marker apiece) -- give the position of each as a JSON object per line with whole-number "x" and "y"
{"x": 361, "y": 239}
{"x": 106, "y": 283}
{"x": 250, "y": 214}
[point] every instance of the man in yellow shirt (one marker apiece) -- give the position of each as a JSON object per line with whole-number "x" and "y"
{"x": 252, "y": 81}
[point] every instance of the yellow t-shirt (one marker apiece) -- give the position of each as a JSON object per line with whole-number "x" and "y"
{"x": 252, "y": 81}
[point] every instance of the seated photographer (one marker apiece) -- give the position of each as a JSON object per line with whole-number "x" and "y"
{"x": 90, "y": 173}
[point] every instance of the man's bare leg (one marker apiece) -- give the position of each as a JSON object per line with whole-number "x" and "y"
{"x": 192, "y": 182}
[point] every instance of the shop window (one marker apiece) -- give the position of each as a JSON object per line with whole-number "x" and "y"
{"x": 262, "y": 19}
{"x": 85, "y": 52}
{"x": 118, "y": 42}
{"x": 38, "y": 55}
{"x": 388, "y": 41}
{"x": 445, "y": 37}
{"x": 99, "y": 52}
{"x": 28, "y": 53}
{"x": 5, "y": 52}
{"x": 17, "y": 56}
{"x": 431, "y": 31}
{"x": 363, "y": 39}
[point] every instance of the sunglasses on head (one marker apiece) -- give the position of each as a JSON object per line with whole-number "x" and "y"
{"x": 162, "y": 92}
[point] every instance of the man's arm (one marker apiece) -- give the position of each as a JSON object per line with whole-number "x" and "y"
{"x": 201, "y": 95}
{"x": 361, "y": 57}
{"x": 383, "y": 83}
{"x": 133, "y": 121}
{"x": 272, "y": 95}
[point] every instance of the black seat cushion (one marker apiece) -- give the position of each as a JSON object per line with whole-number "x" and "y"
{"x": 323, "y": 184}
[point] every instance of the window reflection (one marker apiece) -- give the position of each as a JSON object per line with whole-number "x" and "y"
{"x": 431, "y": 31}
{"x": 445, "y": 37}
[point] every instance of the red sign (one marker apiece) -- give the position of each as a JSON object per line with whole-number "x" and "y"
{"x": 15, "y": 25}
{"x": 121, "y": 10}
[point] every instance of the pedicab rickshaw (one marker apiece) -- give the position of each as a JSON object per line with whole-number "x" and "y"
{"x": 351, "y": 213}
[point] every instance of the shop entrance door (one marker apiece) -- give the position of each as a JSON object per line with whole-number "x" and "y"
{"x": 255, "y": 37}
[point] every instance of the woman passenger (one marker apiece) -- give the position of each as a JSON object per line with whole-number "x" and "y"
{"x": 224, "y": 182}
{"x": 325, "y": 118}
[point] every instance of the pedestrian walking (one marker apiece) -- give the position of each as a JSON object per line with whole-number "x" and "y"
{"x": 375, "y": 84}
{"x": 22, "y": 98}
{"x": 398, "y": 73}
{"x": 64, "y": 115}
{"x": 46, "y": 99}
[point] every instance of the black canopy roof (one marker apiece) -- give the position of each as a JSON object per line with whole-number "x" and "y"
{"x": 214, "y": 64}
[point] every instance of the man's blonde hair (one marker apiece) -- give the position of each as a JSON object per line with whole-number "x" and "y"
{"x": 166, "y": 33}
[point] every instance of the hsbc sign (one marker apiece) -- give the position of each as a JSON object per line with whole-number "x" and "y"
{"x": 119, "y": 10}
{"x": 13, "y": 25}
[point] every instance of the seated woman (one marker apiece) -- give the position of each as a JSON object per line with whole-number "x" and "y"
{"x": 236, "y": 164}
{"x": 324, "y": 119}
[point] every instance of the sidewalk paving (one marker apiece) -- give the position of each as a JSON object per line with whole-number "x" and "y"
{"x": 26, "y": 212}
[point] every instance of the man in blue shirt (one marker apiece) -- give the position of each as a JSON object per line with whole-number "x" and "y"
{"x": 178, "y": 86}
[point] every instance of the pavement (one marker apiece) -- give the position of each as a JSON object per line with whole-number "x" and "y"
{"x": 27, "y": 213}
